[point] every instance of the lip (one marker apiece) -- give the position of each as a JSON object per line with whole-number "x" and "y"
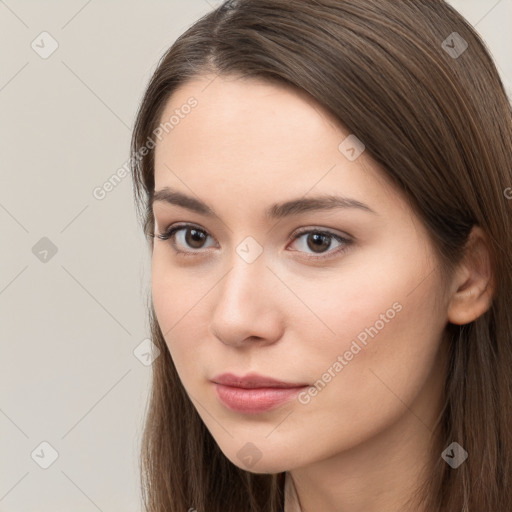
{"x": 254, "y": 380}
{"x": 253, "y": 393}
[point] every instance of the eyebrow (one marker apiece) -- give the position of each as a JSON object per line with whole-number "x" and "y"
{"x": 275, "y": 211}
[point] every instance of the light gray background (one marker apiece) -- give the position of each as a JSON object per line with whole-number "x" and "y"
{"x": 69, "y": 325}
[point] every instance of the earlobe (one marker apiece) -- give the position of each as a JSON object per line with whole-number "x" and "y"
{"x": 474, "y": 281}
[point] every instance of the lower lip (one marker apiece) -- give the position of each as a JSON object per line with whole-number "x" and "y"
{"x": 253, "y": 401}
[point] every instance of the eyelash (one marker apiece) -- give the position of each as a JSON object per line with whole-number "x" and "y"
{"x": 168, "y": 235}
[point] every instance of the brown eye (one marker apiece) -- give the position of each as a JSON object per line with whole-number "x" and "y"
{"x": 185, "y": 236}
{"x": 319, "y": 242}
{"x": 194, "y": 238}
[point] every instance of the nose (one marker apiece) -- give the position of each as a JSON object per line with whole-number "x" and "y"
{"x": 247, "y": 306}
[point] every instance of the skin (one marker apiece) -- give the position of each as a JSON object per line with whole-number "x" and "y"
{"x": 360, "y": 444}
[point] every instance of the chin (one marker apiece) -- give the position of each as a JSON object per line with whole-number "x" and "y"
{"x": 259, "y": 460}
{"x": 261, "y": 467}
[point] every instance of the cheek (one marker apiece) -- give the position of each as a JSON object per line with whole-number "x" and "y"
{"x": 174, "y": 301}
{"x": 372, "y": 291}
{"x": 387, "y": 323}
{"x": 381, "y": 305}
{"x": 365, "y": 294}
{"x": 175, "y": 291}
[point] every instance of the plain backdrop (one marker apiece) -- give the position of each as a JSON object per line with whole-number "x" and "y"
{"x": 75, "y": 270}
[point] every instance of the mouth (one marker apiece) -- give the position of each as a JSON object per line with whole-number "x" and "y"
{"x": 254, "y": 394}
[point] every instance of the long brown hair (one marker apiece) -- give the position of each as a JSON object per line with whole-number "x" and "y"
{"x": 434, "y": 114}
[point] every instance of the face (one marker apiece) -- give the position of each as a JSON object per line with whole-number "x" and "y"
{"x": 345, "y": 301}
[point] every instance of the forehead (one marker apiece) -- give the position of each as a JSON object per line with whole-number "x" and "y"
{"x": 235, "y": 94}
{"x": 243, "y": 118}
{"x": 258, "y": 140}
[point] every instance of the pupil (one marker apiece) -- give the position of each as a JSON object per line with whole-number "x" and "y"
{"x": 196, "y": 236}
{"x": 318, "y": 237}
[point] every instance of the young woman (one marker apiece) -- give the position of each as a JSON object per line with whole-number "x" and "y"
{"x": 325, "y": 186}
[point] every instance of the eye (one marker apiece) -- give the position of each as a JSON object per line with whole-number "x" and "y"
{"x": 317, "y": 240}
{"x": 191, "y": 236}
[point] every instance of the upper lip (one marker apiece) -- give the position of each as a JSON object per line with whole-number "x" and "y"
{"x": 254, "y": 380}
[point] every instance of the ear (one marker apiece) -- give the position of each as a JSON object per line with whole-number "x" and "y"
{"x": 474, "y": 282}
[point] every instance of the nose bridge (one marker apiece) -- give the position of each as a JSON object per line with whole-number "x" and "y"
{"x": 245, "y": 306}
{"x": 246, "y": 277}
